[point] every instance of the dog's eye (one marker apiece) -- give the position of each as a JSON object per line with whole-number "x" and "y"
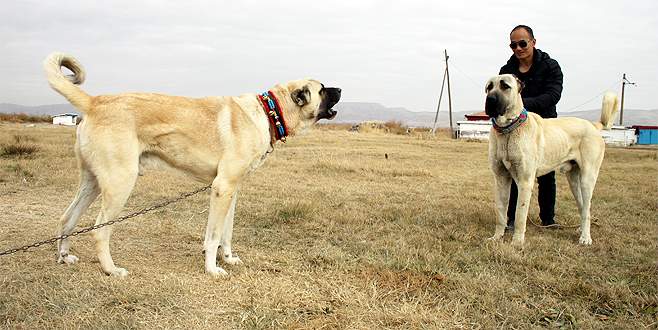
{"x": 489, "y": 87}
{"x": 504, "y": 85}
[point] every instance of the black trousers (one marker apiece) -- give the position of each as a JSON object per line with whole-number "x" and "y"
{"x": 546, "y": 199}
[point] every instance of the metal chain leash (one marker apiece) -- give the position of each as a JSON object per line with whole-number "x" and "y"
{"x": 111, "y": 222}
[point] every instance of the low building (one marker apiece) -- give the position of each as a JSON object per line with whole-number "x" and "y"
{"x": 473, "y": 129}
{"x": 478, "y": 116}
{"x": 620, "y": 136}
{"x": 67, "y": 119}
{"x": 646, "y": 134}
{"x": 477, "y": 127}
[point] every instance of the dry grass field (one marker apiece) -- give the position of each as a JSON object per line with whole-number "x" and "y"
{"x": 333, "y": 235}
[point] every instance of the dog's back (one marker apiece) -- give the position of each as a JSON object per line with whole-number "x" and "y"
{"x": 569, "y": 130}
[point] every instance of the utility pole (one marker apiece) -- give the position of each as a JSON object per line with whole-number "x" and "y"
{"x": 624, "y": 82}
{"x": 438, "y": 106}
{"x": 452, "y": 131}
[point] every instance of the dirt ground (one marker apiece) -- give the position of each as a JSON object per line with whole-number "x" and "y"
{"x": 337, "y": 230}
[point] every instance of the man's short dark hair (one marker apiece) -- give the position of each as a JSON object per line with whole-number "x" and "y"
{"x": 525, "y": 27}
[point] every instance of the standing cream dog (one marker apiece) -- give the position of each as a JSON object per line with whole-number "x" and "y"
{"x": 523, "y": 146}
{"x": 214, "y": 139}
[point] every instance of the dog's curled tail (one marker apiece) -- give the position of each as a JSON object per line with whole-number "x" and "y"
{"x": 67, "y": 84}
{"x": 609, "y": 110}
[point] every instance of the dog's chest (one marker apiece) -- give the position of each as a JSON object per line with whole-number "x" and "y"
{"x": 258, "y": 161}
{"x": 509, "y": 154}
{"x": 508, "y": 151}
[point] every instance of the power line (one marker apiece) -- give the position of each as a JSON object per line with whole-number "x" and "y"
{"x": 571, "y": 109}
{"x": 479, "y": 86}
{"x": 594, "y": 97}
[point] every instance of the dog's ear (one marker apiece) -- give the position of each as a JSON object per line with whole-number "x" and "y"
{"x": 488, "y": 86}
{"x": 301, "y": 96}
{"x": 519, "y": 83}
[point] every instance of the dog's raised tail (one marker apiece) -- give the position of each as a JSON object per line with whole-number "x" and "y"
{"x": 67, "y": 84}
{"x": 609, "y": 110}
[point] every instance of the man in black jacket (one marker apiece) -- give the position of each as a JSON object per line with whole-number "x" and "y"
{"x": 542, "y": 79}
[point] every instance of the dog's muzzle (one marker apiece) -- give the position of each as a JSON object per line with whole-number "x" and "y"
{"x": 331, "y": 96}
{"x": 491, "y": 107}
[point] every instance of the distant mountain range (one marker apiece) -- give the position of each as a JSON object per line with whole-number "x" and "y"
{"x": 50, "y": 109}
{"x": 356, "y": 112}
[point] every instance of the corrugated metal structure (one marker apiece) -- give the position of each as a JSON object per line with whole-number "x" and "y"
{"x": 646, "y": 134}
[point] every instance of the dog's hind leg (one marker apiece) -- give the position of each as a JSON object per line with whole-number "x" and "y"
{"x": 592, "y": 151}
{"x": 522, "y": 204}
{"x": 573, "y": 177}
{"x": 115, "y": 190}
{"x": 87, "y": 193}
{"x": 503, "y": 184}
{"x": 587, "y": 182}
{"x": 116, "y": 166}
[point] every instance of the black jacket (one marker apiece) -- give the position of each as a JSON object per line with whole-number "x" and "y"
{"x": 542, "y": 83}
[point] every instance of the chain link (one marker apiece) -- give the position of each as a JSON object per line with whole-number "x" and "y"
{"x": 111, "y": 222}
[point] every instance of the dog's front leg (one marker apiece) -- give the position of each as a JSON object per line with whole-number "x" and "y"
{"x": 227, "y": 235}
{"x": 522, "y": 203}
{"x": 221, "y": 197}
{"x": 503, "y": 184}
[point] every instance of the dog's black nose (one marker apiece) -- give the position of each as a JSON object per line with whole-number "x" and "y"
{"x": 334, "y": 93}
{"x": 491, "y": 105}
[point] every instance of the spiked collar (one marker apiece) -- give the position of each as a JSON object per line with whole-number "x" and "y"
{"x": 514, "y": 125}
{"x": 274, "y": 116}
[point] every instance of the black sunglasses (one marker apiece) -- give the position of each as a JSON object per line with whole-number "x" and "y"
{"x": 521, "y": 43}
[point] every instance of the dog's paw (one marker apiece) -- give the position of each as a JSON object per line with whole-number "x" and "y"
{"x": 232, "y": 260}
{"x": 118, "y": 272}
{"x": 517, "y": 241}
{"x": 217, "y": 272}
{"x": 585, "y": 240}
{"x": 68, "y": 259}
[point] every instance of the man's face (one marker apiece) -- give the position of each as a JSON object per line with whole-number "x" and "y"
{"x": 519, "y": 38}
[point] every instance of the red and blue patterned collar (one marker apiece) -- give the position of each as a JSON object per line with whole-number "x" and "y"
{"x": 514, "y": 125}
{"x": 274, "y": 116}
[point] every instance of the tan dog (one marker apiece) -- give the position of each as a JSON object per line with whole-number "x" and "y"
{"x": 213, "y": 139}
{"x": 534, "y": 147}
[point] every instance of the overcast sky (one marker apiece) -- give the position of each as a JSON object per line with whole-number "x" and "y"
{"x": 389, "y": 52}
